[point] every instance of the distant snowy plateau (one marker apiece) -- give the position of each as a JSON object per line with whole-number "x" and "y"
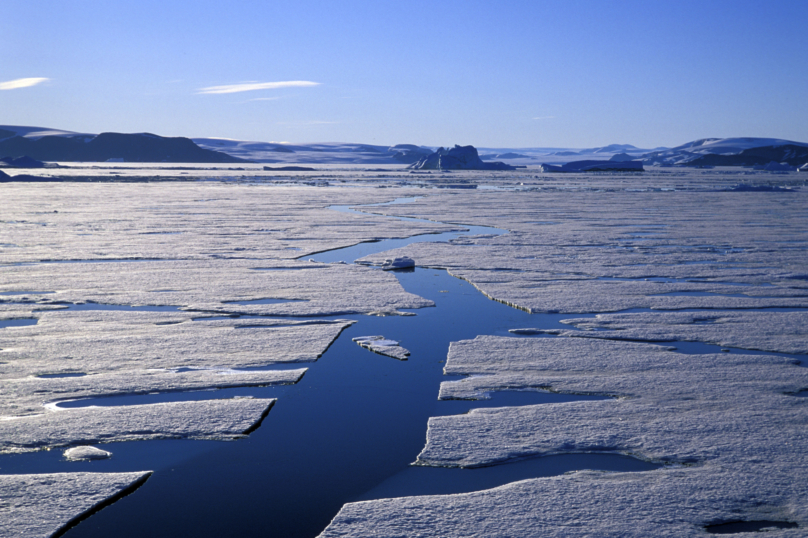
{"x": 683, "y": 335}
{"x": 46, "y": 144}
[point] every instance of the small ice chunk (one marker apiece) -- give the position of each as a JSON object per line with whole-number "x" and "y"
{"x": 403, "y": 262}
{"x": 381, "y": 345}
{"x": 84, "y": 453}
{"x": 534, "y": 331}
{"x": 375, "y": 340}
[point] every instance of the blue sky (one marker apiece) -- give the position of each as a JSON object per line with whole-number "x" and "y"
{"x": 507, "y": 74}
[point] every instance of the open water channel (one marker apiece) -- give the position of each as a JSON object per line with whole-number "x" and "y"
{"x": 348, "y": 431}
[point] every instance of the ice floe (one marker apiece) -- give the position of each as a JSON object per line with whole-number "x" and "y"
{"x": 39, "y": 505}
{"x": 398, "y": 263}
{"x": 728, "y": 424}
{"x": 26, "y": 396}
{"x": 585, "y": 504}
{"x": 206, "y": 419}
{"x": 780, "y": 332}
{"x": 112, "y": 341}
{"x": 383, "y": 346}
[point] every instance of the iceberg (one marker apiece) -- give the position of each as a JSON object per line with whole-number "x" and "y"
{"x": 457, "y": 158}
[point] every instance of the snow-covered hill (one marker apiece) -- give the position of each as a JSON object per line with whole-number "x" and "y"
{"x": 701, "y": 152}
{"x": 692, "y": 151}
{"x": 322, "y": 153}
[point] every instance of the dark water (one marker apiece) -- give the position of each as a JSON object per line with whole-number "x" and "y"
{"x": 353, "y": 423}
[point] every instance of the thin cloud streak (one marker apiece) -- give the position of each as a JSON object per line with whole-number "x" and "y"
{"x": 22, "y": 83}
{"x": 544, "y": 118}
{"x": 252, "y": 86}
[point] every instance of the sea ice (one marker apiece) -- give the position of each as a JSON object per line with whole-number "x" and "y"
{"x": 729, "y": 427}
{"x": 93, "y": 342}
{"x": 612, "y": 249}
{"x": 26, "y": 395}
{"x": 39, "y": 505}
{"x": 83, "y": 453}
{"x": 779, "y": 332}
{"x": 670, "y": 503}
{"x": 206, "y": 419}
{"x": 398, "y": 263}
{"x": 383, "y": 346}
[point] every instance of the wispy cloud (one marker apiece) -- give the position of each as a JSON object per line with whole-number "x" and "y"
{"x": 22, "y": 83}
{"x": 544, "y": 118}
{"x": 252, "y": 86}
{"x": 262, "y": 99}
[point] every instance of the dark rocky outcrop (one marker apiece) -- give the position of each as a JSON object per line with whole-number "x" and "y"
{"x": 457, "y": 158}
{"x": 25, "y": 178}
{"x": 142, "y": 147}
{"x": 21, "y": 162}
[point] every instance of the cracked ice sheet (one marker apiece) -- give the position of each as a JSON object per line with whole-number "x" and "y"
{"x": 207, "y": 419}
{"x": 561, "y": 244}
{"x": 92, "y": 342}
{"x": 26, "y": 396}
{"x": 672, "y": 407}
{"x": 80, "y": 221}
{"x": 585, "y": 504}
{"x": 779, "y": 332}
{"x": 37, "y": 506}
{"x": 727, "y": 414}
{"x": 214, "y": 286}
{"x": 135, "y": 352}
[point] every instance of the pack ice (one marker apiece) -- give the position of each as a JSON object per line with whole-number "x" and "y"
{"x": 728, "y": 427}
{"x": 38, "y": 505}
{"x": 204, "y": 255}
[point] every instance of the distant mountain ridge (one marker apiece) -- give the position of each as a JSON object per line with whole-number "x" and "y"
{"x": 731, "y": 152}
{"x": 140, "y": 147}
{"x": 48, "y": 144}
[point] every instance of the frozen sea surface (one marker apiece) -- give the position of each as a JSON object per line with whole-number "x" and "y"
{"x": 613, "y": 245}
